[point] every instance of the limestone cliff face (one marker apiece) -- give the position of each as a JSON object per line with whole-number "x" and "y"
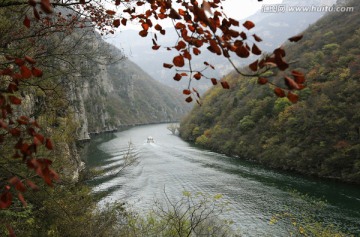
{"x": 109, "y": 91}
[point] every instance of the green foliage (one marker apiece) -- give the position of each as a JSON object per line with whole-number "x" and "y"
{"x": 320, "y": 134}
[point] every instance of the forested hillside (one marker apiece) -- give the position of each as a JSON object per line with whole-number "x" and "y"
{"x": 319, "y": 135}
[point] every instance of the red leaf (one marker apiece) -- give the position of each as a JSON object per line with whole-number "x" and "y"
{"x": 255, "y": 50}
{"x": 177, "y": 77}
{"x": 225, "y": 85}
{"x": 30, "y": 60}
{"x": 291, "y": 84}
{"x": 155, "y": 47}
{"x": 110, "y": 12}
{"x": 124, "y": 21}
{"x": 49, "y": 144}
{"x": 12, "y": 88}
{"x": 46, "y": 6}
{"x": 197, "y": 76}
{"x": 257, "y": 38}
{"x": 117, "y": 2}
{"x": 143, "y": 33}
{"x": 32, "y": 185}
{"x": 14, "y": 100}
{"x": 214, "y": 81}
{"x": 186, "y": 92}
{"x": 188, "y": 99}
{"x": 36, "y": 72}
{"x": 299, "y": 77}
{"x": 11, "y": 231}
{"x": 22, "y": 199}
{"x": 166, "y": 65}
{"x": 292, "y": 97}
{"x": 262, "y": 80}
{"x": 174, "y": 15}
{"x": 19, "y": 62}
{"x": 5, "y": 200}
{"x": 179, "y": 61}
{"x": 279, "y": 92}
{"x": 248, "y": 25}
{"x": 296, "y": 38}
{"x": 25, "y": 72}
{"x": 180, "y": 45}
{"x": 242, "y": 52}
{"x": 26, "y": 22}
{"x": 196, "y": 51}
{"x": 116, "y": 23}
{"x": 32, "y": 3}
{"x": 254, "y": 66}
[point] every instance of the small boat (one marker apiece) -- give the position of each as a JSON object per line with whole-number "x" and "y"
{"x": 150, "y": 139}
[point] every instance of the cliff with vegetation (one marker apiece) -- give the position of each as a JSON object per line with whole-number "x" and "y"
{"x": 319, "y": 135}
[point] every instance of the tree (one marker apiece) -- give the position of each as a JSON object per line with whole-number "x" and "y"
{"x": 199, "y": 27}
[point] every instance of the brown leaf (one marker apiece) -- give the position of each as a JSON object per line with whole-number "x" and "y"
{"x": 143, "y": 33}
{"x": 254, "y": 66}
{"x": 214, "y": 81}
{"x": 196, "y": 51}
{"x": 255, "y": 50}
{"x": 257, "y": 38}
{"x": 177, "y": 77}
{"x": 116, "y": 23}
{"x": 242, "y": 52}
{"x": 5, "y": 200}
{"x": 167, "y": 65}
{"x": 124, "y": 21}
{"x": 189, "y": 99}
{"x": 296, "y": 38}
{"x": 110, "y": 12}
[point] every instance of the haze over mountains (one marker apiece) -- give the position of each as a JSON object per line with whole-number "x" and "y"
{"x": 273, "y": 28}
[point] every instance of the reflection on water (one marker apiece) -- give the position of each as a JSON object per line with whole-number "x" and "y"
{"x": 254, "y": 193}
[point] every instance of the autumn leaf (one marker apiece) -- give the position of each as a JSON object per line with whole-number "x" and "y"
{"x": 116, "y": 23}
{"x": 36, "y": 72}
{"x": 255, "y": 50}
{"x": 248, "y": 25}
{"x": 254, "y": 66}
{"x": 178, "y": 61}
{"x": 197, "y": 76}
{"x": 26, "y": 22}
{"x": 30, "y": 59}
{"x": 49, "y": 144}
{"x": 292, "y": 97}
{"x": 46, "y": 6}
{"x": 296, "y": 38}
{"x": 166, "y": 65}
{"x": 257, "y": 38}
{"x": 25, "y": 72}
{"x": 262, "y": 80}
{"x": 225, "y": 85}
{"x": 14, "y": 100}
{"x": 279, "y": 92}
{"x": 189, "y": 99}
{"x": 186, "y": 92}
{"x": 291, "y": 84}
{"x": 177, "y": 77}
{"x": 110, "y": 12}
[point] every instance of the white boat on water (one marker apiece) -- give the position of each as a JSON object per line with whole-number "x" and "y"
{"x": 150, "y": 139}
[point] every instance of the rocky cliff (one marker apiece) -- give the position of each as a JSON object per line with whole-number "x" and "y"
{"x": 109, "y": 91}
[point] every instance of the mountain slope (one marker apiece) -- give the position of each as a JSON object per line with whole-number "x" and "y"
{"x": 320, "y": 135}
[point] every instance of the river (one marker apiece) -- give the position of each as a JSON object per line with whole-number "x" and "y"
{"x": 254, "y": 193}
